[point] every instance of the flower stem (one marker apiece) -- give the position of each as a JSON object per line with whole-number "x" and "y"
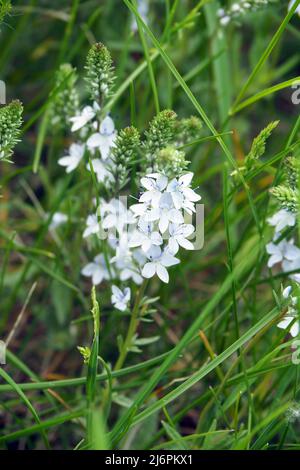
{"x": 134, "y": 322}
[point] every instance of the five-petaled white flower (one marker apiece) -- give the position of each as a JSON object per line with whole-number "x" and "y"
{"x": 86, "y": 115}
{"x": 104, "y": 140}
{"x": 183, "y": 196}
{"x": 282, "y": 251}
{"x": 178, "y": 237}
{"x": 120, "y": 299}
{"x": 101, "y": 170}
{"x": 145, "y": 236}
{"x": 92, "y": 225}
{"x": 282, "y": 219}
{"x": 158, "y": 261}
{"x": 165, "y": 213}
{"x": 154, "y": 184}
{"x": 97, "y": 270}
{"x": 117, "y": 216}
{"x": 72, "y": 160}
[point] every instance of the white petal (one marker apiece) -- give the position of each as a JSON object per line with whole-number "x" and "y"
{"x": 295, "y": 329}
{"x": 94, "y": 141}
{"x": 175, "y": 216}
{"x": 148, "y": 270}
{"x": 274, "y": 259}
{"x": 121, "y": 306}
{"x": 186, "y": 179}
{"x": 186, "y": 244}
{"x": 88, "y": 270}
{"x": 148, "y": 183}
{"x": 98, "y": 276}
{"x": 116, "y": 291}
{"x": 285, "y": 323}
{"x": 162, "y": 273}
{"x": 169, "y": 260}
{"x": 163, "y": 223}
{"x": 107, "y": 126}
{"x": 173, "y": 246}
{"x": 286, "y": 292}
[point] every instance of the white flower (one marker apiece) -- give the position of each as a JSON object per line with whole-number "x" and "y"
{"x": 145, "y": 236}
{"x": 101, "y": 170}
{"x": 92, "y": 225}
{"x": 178, "y": 237}
{"x": 282, "y": 251}
{"x": 155, "y": 184}
{"x": 103, "y": 140}
{"x": 58, "y": 219}
{"x": 97, "y": 270}
{"x": 117, "y": 216}
{"x": 120, "y": 299}
{"x": 164, "y": 213}
{"x": 72, "y": 160}
{"x": 159, "y": 260}
{"x": 141, "y": 209}
{"x": 282, "y": 219}
{"x": 86, "y": 115}
{"x": 183, "y": 196}
{"x": 292, "y": 2}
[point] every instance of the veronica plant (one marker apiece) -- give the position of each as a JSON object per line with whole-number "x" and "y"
{"x": 131, "y": 242}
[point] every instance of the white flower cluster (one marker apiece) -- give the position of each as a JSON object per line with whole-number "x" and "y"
{"x": 285, "y": 252}
{"x": 237, "y": 9}
{"x": 144, "y": 239}
{"x": 97, "y": 137}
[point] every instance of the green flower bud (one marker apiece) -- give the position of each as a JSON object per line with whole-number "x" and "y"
{"x": 161, "y": 132}
{"x": 99, "y": 72}
{"x": 65, "y": 101}
{"x": 287, "y": 197}
{"x": 124, "y": 153}
{"x": 170, "y": 161}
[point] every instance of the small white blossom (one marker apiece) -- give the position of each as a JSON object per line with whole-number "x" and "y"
{"x": 178, "y": 237}
{"x": 183, "y": 196}
{"x": 158, "y": 261}
{"x": 145, "y": 236}
{"x": 92, "y": 226}
{"x": 72, "y": 160}
{"x": 155, "y": 184}
{"x": 104, "y": 140}
{"x": 101, "y": 170}
{"x": 165, "y": 213}
{"x": 117, "y": 216}
{"x": 282, "y": 251}
{"x": 119, "y": 298}
{"x": 282, "y": 219}
{"x": 86, "y": 115}
{"x": 97, "y": 270}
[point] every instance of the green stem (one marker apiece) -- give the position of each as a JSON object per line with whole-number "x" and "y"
{"x": 134, "y": 322}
